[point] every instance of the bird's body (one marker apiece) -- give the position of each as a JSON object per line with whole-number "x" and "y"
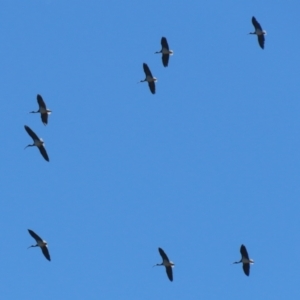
{"x": 259, "y": 32}
{"x": 245, "y": 260}
{"x": 43, "y": 110}
{"x": 149, "y": 78}
{"x": 37, "y": 142}
{"x": 166, "y": 263}
{"x": 40, "y": 243}
{"x": 165, "y": 51}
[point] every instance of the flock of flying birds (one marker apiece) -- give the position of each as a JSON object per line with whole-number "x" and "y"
{"x": 39, "y": 143}
{"x": 166, "y": 52}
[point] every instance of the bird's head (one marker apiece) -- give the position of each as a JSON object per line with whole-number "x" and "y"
{"x": 154, "y": 79}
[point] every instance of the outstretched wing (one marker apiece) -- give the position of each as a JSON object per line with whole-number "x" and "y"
{"x": 163, "y": 254}
{"x": 246, "y": 268}
{"x": 34, "y": 235}
{"x": 31, "y": 133}
{"x": 147, "y": 70}
{"x": 44, "y": 152}
{"x": 165, "y": 59}
{"x": 256, "y": 24}
{"x": 261, "y": 40}
{"x": 244, "y": 252}
{"x": 46, "y": 252}
{"x": 164, "y": 43}
{"x": 44, "y": 118}
{"x": 40, "y": 101}
{"x": 152, "y": 87}
{"x": 169, "y": 273}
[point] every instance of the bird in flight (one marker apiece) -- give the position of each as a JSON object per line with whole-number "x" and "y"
{"x": 149, "y": 78}
{"x": 245, "y": 260}
{"x": 37, "y": 142}
{"x": 167, "y": 263}
{"x": 43, "y": 110}
{"x": 259, "y": 32}
{"x": 40, "y": 243}
{"x": 166, "y": 52}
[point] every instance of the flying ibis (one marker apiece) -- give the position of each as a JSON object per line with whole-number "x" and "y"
{"x": 167, "y": 263}
{"x": 245, "y": 260}
{"x": 40, "y": 243}
{"x": 259, "y": 32}
{"x": 43, "y": 110}
{"x": 165, "y": 51}
{"x": 149, "y": 78}
{"x": 37, "y": 142}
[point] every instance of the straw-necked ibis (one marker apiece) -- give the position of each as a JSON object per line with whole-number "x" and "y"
{"x": 40, "y": 243}
{"x": 245, "y": 260}
{"x": 166, "y": 52}
{"x": 259, "y": 32}
{"x": 149, "y": 78}
{"x": 37, "y": 142}
{"x": 43, "y": 110}
{"x": 167, "y": 263}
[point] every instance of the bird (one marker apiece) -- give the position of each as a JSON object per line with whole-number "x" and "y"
{"x": 245, "y": 260}
{"x": 43, "y": 110}
{"x": 149, "y": 78}
{"x": 37, "y": 142}
{"x": 40, "y": 243}
{"x": 167, "y": 263}
{"x": 165, "y": 51}
{"x": 259, "y": 32}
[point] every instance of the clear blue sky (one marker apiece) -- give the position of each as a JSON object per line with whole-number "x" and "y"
{"x": 208, "y": 163}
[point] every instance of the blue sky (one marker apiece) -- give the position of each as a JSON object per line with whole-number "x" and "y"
{"x": 209, "y": 162}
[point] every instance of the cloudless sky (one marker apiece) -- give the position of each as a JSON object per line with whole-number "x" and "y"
{"x": 209, "y": 162}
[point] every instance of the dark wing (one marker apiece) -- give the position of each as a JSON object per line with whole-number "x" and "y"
{"x": 147, "y": 70}
{"x": 34, "y": 235}
{"x": 44, "y": 118}
{"x": 40, "y": 101}
{"x": 163, "y": 254}
{"x": 165, "y": 59}
{"x": 152, "y": 87}
{"x": 246, "y": 268}
{"x": 46, "y": 252}
{"x": 169, "y": 273}
{"x": 164, "y": 43}
{"x": 261, "y": 41}
{"x": 256, "y": 24}
{"x": 244, "y": 252}
{"x": 31, "y": 133}
{"x": 43, "y": 152}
